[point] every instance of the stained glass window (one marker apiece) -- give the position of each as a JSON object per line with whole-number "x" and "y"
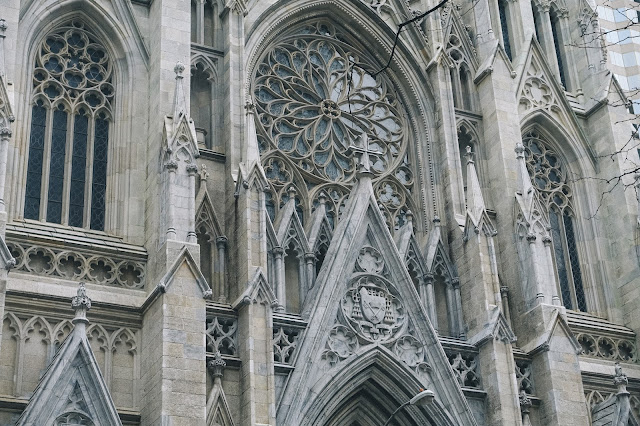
{"x": 316, "y": 97}
{"x": 549, "y": 175}
{"x": 73, "y": 97}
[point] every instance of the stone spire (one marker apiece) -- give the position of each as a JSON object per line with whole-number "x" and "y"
{"x": 475, "y": 202}
{"x": 179, "y": 98}
{"x": 524, "y": 181}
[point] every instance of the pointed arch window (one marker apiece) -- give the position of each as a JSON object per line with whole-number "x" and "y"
{"x": 505, "y": 27}
{"x": 558, "y": 45}
{"x": 550, "y": 176}
{"x": 73, "y": 96}
{"x": 461, "y": 76}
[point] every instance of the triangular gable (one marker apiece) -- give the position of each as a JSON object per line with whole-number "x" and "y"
{"x": 436, "y": 254}
{"x": 488, "y": 65}
{"x": 287, "y": 226}
{"x": 6, "y": 113}
{"x": 250, "y": 175}
{"x": 539, "y": 92}
{"x": 363, "y": 264}
{"x": 542, "y": 343}
{"x": 206, "y": 212}
{"x": 72, "y": 389}
{"x": 258, "y": 291}
{"x": 185, "y": 258}
{"x": 218, "y": 413}
{"x": 496, "y": 328}
{"x": 454, "y": 25}
{"x": 318, "y": 226}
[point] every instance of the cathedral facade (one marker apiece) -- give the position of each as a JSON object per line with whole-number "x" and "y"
{"x": 311, "y": 212}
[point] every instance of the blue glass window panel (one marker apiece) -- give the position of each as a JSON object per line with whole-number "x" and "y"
{"x": 99, "y": 182}
{"x": 34, "y": 167}
{"x": 557, "y": 46}
{"x": 78, "y": 170}
{"x": 56, "y": 166}
{"x": 504, "y": 25}
{"x": 574, "y": 261}
{"x": 559, "y": 254}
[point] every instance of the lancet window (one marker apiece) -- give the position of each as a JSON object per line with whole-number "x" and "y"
{"x": 505, "y": 27}
{"x": 205, "y": 103}
{"x": 71, "y": 118}
{"x": 460, "y": 74}
{"x": 550, "y": 20}
{"x": 551, "y": 177}
{"x": 316, "y": 97}
{"x": 206, "y": 26}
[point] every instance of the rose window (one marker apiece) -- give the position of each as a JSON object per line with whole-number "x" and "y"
{"x": 316, "y": 97}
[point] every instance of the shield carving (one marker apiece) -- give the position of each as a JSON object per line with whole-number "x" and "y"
{"x": 373, "y": 307}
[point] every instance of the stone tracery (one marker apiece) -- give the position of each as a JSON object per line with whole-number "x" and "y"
{"x": 316, "y": 96}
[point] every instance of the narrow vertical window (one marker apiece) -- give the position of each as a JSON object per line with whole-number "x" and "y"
{"x": 557, "y": 44}
{"x": 549, "y": 175}
{"x": 68, "y": 145}
{"x": 99, "y": 184}
{"x": 78, "y": 169}
{"x": 504, "y": 26}
{"x": 36, "y": 157}
{"x": 56, "y": 165}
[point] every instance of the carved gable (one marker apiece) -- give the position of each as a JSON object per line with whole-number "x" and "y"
{"x": 365, "y": 306}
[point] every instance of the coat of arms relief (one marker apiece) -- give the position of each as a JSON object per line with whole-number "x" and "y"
{"x": 372, "y": 312}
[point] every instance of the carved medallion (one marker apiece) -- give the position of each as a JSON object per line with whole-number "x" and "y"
{"x": 372, "y": 311}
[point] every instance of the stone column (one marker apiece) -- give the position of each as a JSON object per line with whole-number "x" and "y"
{"x": 430, "y": 300}
{"x": 546, "y": 37}
{"x": 5, "y": 136}
{"x": 278, "y": 253}
{"x": 192, "y": 170}
{"x": 171, "y": 167}
{"x": 223, "y": 291}
{"x": 199, "y": 21}
{"x": 459, "y": 319}
{"x": 309, "y": 260}
{"x": 451, "y": 310}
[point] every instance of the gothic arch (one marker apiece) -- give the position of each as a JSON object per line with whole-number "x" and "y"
{"x": 411, "y": 84}
{"x": 582, "y": 206}
{"x": 122, "y": 41}
{"x": 374, "y": 381}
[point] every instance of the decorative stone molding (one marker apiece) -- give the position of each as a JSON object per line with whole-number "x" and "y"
{"x": 285, "y": 341}
{"x": 524, "y": 377}
{"x": 221, "y": 335}
{"x": 465, "y": 367}
{"x": 607, "y": 347}
{"x": 216, "y": 365}
{"x": 77, "y": 266}
{"x": 118, "y": 346}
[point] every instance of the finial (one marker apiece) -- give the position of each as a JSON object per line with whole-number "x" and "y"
{"x": 204, "y": 174}
{"x": 216, "y": 366}
{"x": 179, "y": 69}
{"x": 322, "y": 198}
{"x": 81, "y": 304}
{"x": 469, "y": 155}
{"x": 3, "y": 25}
{"x": 291, "y": 192}
{"x": 409, "y": 216}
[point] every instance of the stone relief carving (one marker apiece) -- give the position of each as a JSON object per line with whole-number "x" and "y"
{"x": 115, "y": 348}
{"x": 607, "y": 347}
{"x": 465, "y": 368}
{"x": 372, "y": 311}
{"x": 76, "y": 266}
{"x": 221, "y": 335}
{"x": 341, "y": 343}
{"x": 524, "y": 377}
{"x": 285, "y": 342}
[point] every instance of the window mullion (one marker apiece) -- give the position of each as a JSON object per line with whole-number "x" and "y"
{"x": 89, "y": 172}
{"x": 66, "y": 185}
{"x": 46, "y": 166}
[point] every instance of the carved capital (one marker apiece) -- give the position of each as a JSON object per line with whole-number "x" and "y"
{"x": 531, "y": 238}
{"x": 428, "y": 278}
{"x": 221, "y": 242}
{"x": 192, "y": 169}
{"x": 3, "y": 26}
{"x": 525, "y": 402}
{"x": 172, "y": 166}
{"x": 455, "y": 283}
{"x": 5, "y": 134}
{"x": 278, "y": 252}
{"x": 309, "y": 257}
